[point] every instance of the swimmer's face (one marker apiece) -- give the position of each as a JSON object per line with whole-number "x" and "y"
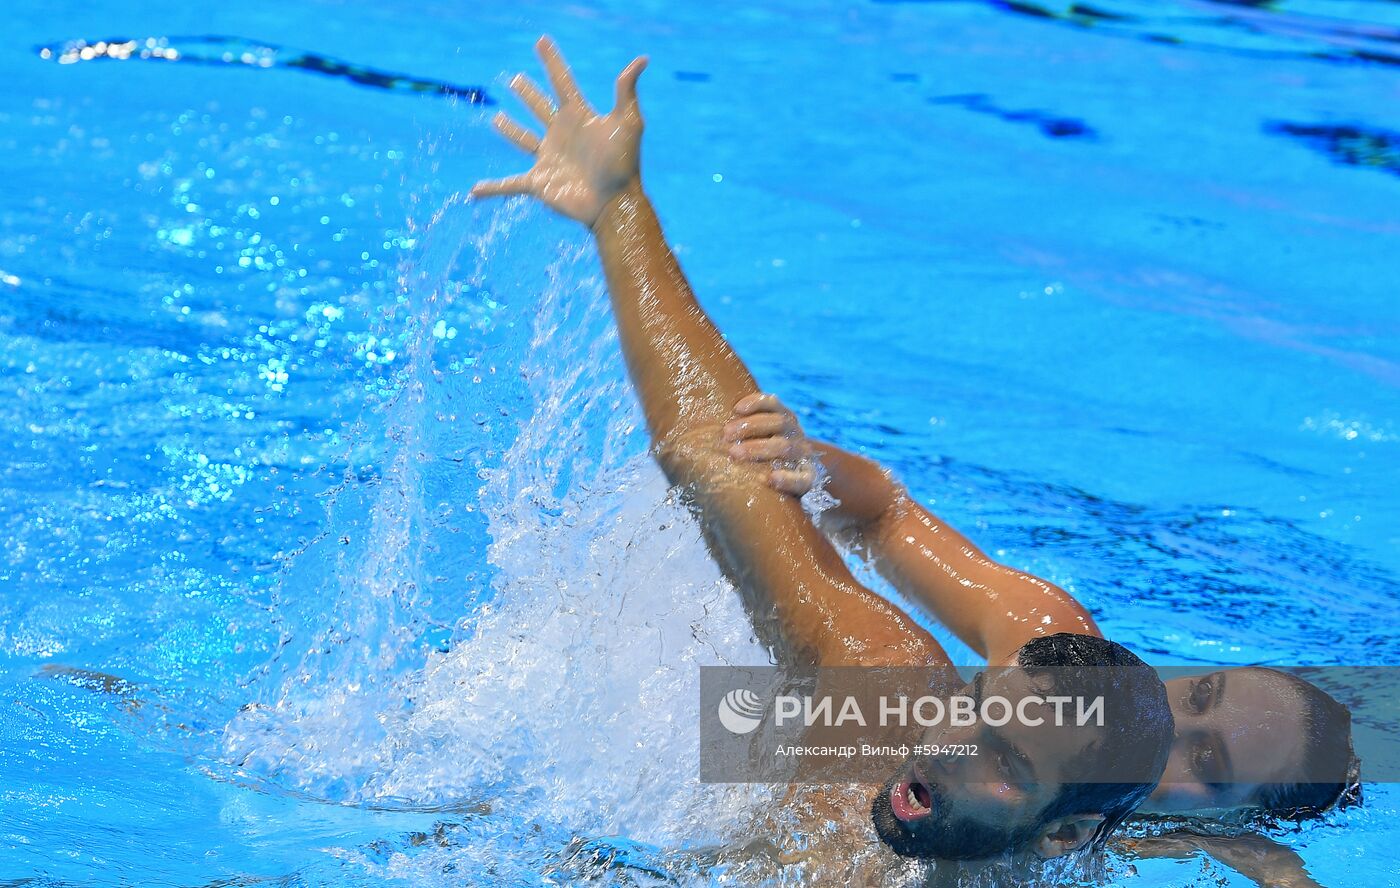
{"x": 1236, "y": 730}
{"x": 963, "y": 806}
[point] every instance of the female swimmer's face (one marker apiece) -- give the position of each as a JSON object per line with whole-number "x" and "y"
{"x": 1235, "y": 730}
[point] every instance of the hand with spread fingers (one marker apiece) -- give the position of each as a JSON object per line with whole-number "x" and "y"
{"x": 585, "y": 158}
{"x": 764, "y": 430}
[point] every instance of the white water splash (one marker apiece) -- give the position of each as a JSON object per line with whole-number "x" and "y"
{"x": 565, "y": 706}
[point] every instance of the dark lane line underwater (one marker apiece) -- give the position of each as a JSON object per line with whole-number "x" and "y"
{"x": 216, "y": 49}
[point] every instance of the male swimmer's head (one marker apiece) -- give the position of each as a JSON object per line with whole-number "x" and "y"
{"x": 1039, "y": 788}
{"x": 1256, "y": 738}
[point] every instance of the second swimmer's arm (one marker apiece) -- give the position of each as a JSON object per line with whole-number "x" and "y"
{"x": 991, "y": 607}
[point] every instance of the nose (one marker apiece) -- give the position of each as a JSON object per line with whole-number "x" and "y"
{"x": 942, "y": 767}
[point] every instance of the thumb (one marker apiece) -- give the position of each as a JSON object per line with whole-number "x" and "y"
{"x": 627, "y": 81}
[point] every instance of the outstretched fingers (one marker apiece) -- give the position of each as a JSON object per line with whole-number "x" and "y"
{"x": 627, "y": 82}
{"x": 565, "y": 89}
{"x": 533, "y": 97}
{"x": 502, "y": 187}
{"x": 518, "y": 135}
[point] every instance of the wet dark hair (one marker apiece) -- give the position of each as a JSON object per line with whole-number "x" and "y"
{"x": 1138, "y": 725}
{"x": 1331, "y": 769}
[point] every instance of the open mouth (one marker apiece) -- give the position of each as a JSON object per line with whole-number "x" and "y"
{"x": 912, "y": 799}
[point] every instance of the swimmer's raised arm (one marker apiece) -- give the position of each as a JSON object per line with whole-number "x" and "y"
{"x": 993, "y": 608}
{"x": 802, "y": 599}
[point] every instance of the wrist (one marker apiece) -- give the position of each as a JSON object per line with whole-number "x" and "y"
{"x": 867, "y": 492}
{"x": 622, "y": 204}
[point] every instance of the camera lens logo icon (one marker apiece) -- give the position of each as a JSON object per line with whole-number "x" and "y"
{"x": 740, "y": 711}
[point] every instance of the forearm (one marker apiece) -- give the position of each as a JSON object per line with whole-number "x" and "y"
{"x": 686, "y": 375}
{"x": 864, "y": 490}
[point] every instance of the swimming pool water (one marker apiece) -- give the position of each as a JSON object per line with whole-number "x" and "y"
{"x": 343, "y": 475}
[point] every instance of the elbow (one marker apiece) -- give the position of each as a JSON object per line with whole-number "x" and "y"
{"x": 698, "y": 458}
{"x": 687, "y": 454}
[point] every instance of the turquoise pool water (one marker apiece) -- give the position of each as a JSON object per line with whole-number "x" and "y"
{"x": 342, "y": 477}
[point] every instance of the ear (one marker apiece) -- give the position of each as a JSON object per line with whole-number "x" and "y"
{"x": 1067, "y": 835}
